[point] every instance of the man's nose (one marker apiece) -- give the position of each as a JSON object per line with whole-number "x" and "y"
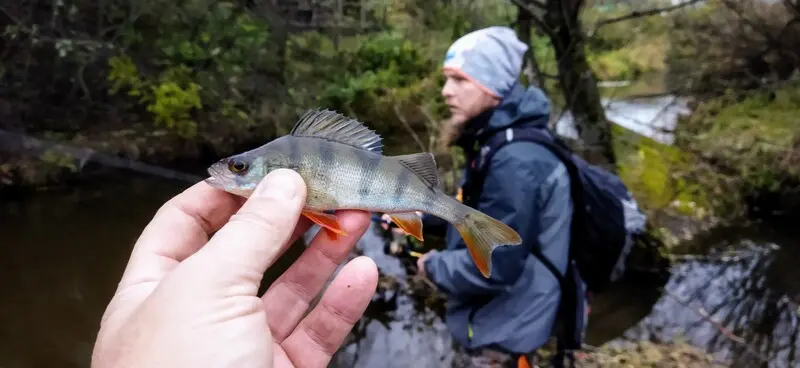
{"x": 447, "y": 90}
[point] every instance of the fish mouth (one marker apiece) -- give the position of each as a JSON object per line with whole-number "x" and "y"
{"x": 214, "y": 182}
{"x": 215, "y": 178}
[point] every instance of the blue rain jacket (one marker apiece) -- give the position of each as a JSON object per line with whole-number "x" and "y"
{"x": 528, "y": 188}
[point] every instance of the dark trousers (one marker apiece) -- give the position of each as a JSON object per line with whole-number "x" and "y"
{"x": 490, "y": 358}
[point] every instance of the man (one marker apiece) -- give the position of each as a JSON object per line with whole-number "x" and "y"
{"x": 513, "y": 312}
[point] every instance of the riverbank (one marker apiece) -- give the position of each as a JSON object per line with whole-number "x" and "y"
{"x": 49, "y": 161}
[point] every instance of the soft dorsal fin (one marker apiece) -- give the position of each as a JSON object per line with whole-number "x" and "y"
{"x": 423, "y": 164}
{"x": 333, "y": 126}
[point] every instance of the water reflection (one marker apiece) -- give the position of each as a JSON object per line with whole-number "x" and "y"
{"x": 740, "y": 302}
{"x": 62, "y": 254}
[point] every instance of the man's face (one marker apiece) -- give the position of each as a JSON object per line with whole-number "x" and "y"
{"x": 465, "y": 98}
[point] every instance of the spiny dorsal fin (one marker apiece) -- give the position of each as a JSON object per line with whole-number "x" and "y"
{"x": 333, "y": 126}
{"x": 423, "y": 164}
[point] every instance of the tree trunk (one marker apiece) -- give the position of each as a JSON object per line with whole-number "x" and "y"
{"x": 531, "y": 68}
{"x": 578, "y": 82}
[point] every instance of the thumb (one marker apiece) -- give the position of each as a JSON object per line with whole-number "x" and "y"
{"x": 242, "y": 250}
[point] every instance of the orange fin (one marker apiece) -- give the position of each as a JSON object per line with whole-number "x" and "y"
{"x": 410, "y": 222}
{"x": 329, "y": 222}
{"x": 482, "y": 234}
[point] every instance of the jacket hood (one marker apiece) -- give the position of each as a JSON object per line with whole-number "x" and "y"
{"x": 520, "y": 107}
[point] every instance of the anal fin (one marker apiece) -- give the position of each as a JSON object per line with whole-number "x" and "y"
{"x": 327, "y": 221}
{"x": 410, "y": 222}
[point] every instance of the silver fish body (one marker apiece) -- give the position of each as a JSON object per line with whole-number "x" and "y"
{"x": 343, "y": 166}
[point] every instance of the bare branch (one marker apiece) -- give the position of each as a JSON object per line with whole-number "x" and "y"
{"x": 641, "y": 13}
{"x": 719, "y": 326}
{"x": 408, "y": 126}
{"x": 538, "y": 4}
{"x": 538, "y": 21}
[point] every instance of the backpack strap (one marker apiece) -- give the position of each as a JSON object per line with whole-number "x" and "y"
{"x": 569, "y": 334}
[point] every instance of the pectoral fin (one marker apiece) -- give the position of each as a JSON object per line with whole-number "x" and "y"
{"x": 329, "y": 222}
{"x": 410, "y": 222}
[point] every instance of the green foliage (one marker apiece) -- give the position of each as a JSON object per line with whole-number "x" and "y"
{"x": 167, "y": 98}
{"x": 204, "y": 66}
{"x": 383, "y": 62}
{"x": 755, "y": 134}
{"x": 384, "y": 78}
{"x": 619, "y": 35}
{"x": 631, "y": 61}
{"x": 625, "y": 50}
{"x": 459, "y": 16}
{"x": 171, "y": 105}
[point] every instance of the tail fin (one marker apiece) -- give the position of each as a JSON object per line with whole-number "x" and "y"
{"x": 482, "y": 234}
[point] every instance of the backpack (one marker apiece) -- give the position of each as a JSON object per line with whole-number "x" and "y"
{"x": 606, "y": 217}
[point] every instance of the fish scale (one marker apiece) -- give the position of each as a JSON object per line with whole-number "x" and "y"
{"x": 343, "y": 166}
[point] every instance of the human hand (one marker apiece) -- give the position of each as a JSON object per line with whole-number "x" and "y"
{"x": 187, "y": 301}
{"x": 421, "y": 262}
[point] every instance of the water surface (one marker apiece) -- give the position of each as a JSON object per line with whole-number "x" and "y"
{"x": 62, "y": 254}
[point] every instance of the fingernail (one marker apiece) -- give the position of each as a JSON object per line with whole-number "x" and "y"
{"x": 278, "y": 184}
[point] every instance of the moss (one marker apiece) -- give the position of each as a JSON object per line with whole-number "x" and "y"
{"x": 752, "y": 136}
{"x": 652, "y": 171}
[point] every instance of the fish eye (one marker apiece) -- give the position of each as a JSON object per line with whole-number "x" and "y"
{"x": 237, "y": 166}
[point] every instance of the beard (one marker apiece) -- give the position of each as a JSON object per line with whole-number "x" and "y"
{"x": 449, "y": 131}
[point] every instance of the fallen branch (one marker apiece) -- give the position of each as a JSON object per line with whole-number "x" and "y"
{"x": 25, "y": 145}
{"x": 724, "y": 330}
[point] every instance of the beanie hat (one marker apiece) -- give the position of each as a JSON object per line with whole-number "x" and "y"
{"x": 492, "y": 57}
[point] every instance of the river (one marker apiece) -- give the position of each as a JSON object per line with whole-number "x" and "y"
{"x": 62, "y": 253}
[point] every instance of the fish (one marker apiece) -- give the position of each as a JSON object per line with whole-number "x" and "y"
{"x": 342, "y": 163}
